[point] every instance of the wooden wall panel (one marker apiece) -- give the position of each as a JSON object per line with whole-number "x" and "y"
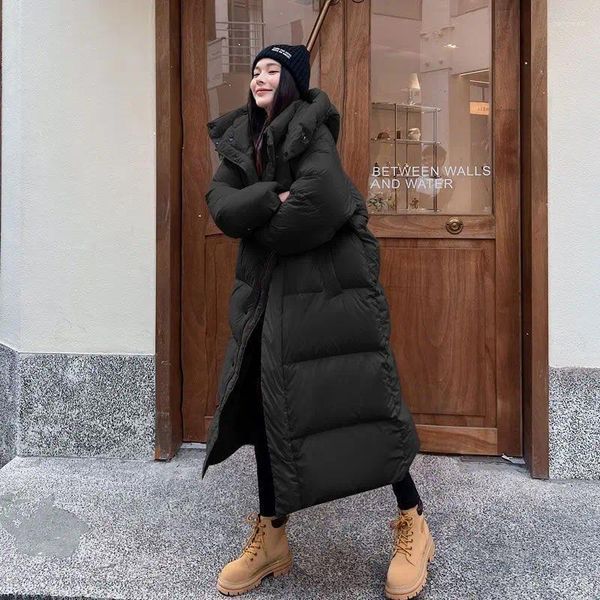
{"x": 442, "y": 297}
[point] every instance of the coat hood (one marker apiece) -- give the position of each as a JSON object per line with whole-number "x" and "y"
{"x": 291, "y": 130}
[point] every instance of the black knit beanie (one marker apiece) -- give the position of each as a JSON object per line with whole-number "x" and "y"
{"x": 296, "y": 59}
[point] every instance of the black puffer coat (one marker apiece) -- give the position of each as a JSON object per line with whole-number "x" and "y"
{"x": 335, "y": 419}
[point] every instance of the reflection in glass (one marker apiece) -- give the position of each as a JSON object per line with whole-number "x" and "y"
{"x": 238, "y": 32}
{"x": 430, "y": 122}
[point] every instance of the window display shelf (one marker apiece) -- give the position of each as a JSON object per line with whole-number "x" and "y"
{"x": 419, "y": 108}
{"x": 396, "y": 130}
{"x": 404, "y": 141}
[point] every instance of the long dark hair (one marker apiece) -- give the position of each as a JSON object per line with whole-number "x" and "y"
{"x": 259, "y": 118}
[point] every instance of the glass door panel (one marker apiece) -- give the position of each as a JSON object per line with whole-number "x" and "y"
{"x": 430, "y": 117}
{"x": 240, "y": 30}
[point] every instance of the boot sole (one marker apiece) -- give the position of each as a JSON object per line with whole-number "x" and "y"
{"x": 280, "y": 567}
{"x": 406, "y": 595}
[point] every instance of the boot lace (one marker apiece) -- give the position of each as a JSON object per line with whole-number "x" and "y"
{"x": 403, "y": 534}
{"x": 254, "y": 542}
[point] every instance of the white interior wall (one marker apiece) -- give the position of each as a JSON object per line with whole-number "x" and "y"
{"x": 78, "y": 176}
{"x": 573, "y": 196}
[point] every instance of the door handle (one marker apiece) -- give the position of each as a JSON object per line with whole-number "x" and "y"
{"x": 454, "y": 225}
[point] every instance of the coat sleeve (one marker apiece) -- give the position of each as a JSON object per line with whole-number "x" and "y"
{"x": 238, "y": 210}
{"x": 319, "y": 202}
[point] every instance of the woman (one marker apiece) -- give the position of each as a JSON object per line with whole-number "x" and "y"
{"x": 308, "y": 377}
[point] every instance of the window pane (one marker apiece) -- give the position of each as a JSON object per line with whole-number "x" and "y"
{"x": 430, "y": 123}
{"x": 241, "y": 28}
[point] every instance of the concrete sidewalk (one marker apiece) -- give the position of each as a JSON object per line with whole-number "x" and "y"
{"x": 109, "y": 528}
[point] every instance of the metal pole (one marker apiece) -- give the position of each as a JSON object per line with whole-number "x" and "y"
{"x": 312, "y": 38}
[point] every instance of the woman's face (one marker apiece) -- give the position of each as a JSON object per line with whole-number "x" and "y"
{"x": 265, "y": 80}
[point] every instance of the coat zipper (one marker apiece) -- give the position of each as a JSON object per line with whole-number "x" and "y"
{"x": 243, "y": 343}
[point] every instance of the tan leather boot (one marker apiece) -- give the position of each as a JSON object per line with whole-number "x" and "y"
{"x": 266, "y": 551}
{"x": 412, "y": 551}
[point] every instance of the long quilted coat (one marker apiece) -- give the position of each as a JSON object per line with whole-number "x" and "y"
{"x": 334, "y": 415}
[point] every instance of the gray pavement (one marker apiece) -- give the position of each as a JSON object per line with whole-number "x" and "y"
{"x": 118, "y": 529}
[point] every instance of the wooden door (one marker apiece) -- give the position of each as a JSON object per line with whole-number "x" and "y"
{"x": 219, "y": 39}
{"x": 451, "y": 278}
{"x": 436, "y": 84}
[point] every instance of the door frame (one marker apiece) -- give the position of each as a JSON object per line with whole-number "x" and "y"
{"x": 174, "y": 73}
{"x": 534, "y": 235}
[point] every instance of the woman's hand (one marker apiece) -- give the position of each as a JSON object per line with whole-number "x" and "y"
{"x": 283, "y": 196}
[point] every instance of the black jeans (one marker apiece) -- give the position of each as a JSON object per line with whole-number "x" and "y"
{"x": 405, "y": 490}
